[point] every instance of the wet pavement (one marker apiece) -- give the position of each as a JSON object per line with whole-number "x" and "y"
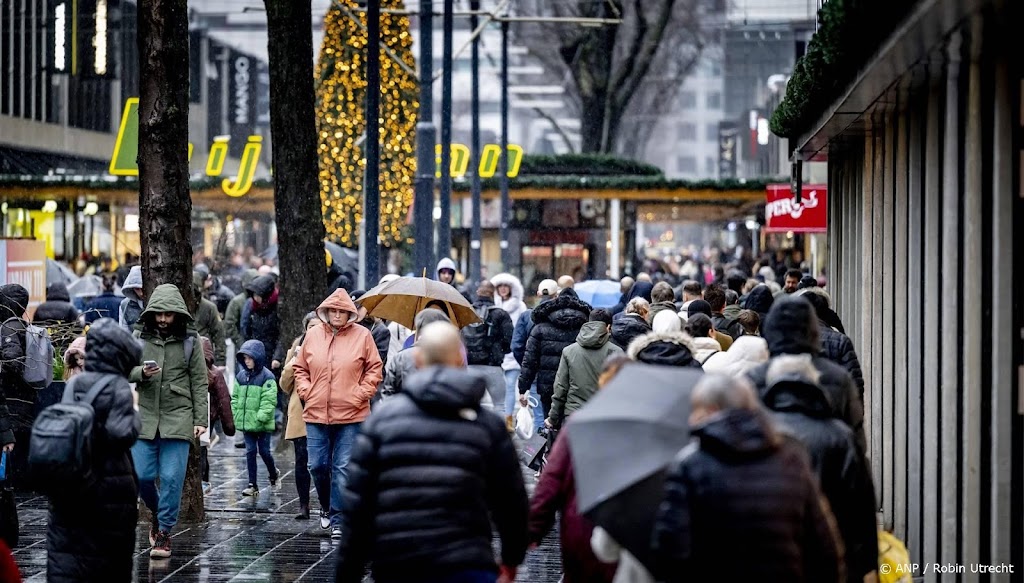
{"x": 243, "y": 539}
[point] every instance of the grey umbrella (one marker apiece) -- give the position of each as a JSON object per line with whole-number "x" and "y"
{"x": 621, "y": 444}
{"x": 57, "y": 272}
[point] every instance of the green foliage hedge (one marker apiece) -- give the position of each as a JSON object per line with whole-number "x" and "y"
{"x": 849, "y": 33}
{"x": 585, "y": 165}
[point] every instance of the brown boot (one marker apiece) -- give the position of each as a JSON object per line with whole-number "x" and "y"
{"x": 510, "y": 424}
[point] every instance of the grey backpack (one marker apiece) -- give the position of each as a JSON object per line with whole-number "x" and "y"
{"x": 38, "y": 365}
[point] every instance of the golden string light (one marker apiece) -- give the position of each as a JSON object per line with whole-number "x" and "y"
{"x": 341, "y": 96}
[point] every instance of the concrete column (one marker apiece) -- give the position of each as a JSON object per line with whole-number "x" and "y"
{"x": 615, "y": 222}
{"x": 900, "y": 325}
{"x": 866, "y": 285}
{"x": 884, "y": 304}
{"x": 949, "y": 373}
{"x": 930, "y": 308}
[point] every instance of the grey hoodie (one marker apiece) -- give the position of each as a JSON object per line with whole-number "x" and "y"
{"x": 132, "y": 305}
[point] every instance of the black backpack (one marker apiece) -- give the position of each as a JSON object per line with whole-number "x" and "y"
{"x": 60, "y": 447}
{"x": 478, "y": 335}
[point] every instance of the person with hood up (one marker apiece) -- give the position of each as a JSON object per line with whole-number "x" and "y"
{"x": 253, "y": 403}
{"x": 663, "y": 298}
{"x": 835, "y": 345}
{"x": 429, "y": 516}
{"x": 580, "y": 367}
{"x": 801, "y": 410}
{"x": 631, "y": 323}
{"x": 640, "y": 289}
{"x": 487, "y": 342}
{"x": 337, "y": 370}
{"x": 508, "y": 295}
{"x": 445, "y": 272}
{"x": 740, "y": 502}
{"x": 17, "y": 398}
{"x": 207, "y": 320}
{"x": 702, "y": 335}
{"x": 760, "y": 300}
{"x": 664, "y": 348}
{"x": 556, "y": 325}
{"x": 295, "y": 431}
{"x": 90, "y": 536}
{"x": 57, "y": 308}
{"x": 792, "y": 328}
{"x": 746, "y": 353}
{"x": 106, "y": 304}
{"x": 403, "y": 364}
{"x": 174, "y": 405}
{"x": 703, "y": 307}
{"x": 74, "y": 358}
{"x": 667, "y": 321}
{"x": 260, "y": 320}
{"x": 233, "y": 313}
{"x": 133, "y": 303}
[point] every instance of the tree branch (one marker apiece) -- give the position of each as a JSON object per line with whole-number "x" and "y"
{"x": 558, "y": 128}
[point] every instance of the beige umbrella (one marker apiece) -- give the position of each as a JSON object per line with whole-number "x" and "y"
{"x": 401, "y": 299}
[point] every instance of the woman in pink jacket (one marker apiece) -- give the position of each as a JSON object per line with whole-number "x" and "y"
{"x": 337, "y": 370}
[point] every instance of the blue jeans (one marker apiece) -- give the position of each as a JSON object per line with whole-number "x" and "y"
{"x": 258, "y": 442}
{"x": 165, "y": 459}
{"x": 330, "y": 447}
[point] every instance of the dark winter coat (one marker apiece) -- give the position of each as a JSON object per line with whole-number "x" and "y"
{"x": 792, "y": 328}
{"x": 261, "y": 321}
{"x": 556, "y": 492}
{"x": 760, "y": 300}
{"x": 17, "y": 407}
{"x": 664, "y": 348}
{"x": 838, "y": 348}
{"x": 556, "y": 324}
{"x": 727, "y": 326}
{"x": 220, "y": 396}
{"x": 522, "y": 331}
{"x": 233, "y": 313}
{"x": 57, "y": 308}
{"x": 105, "y": 305}
{"x": 743, "y": 505}
{"x": 489, "y": 347}
{"x": 90, "y": 536}
{"x": 627, "y": 328}
{"x": 640, "y": 289}
{"x": 381, "y": 337}
{"x": 802, "y": 411}
{"x": 582, "y": 361}
{"x": 429, "y": 472}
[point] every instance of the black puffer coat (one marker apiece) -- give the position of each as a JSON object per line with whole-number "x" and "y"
{"x": 802, "y": 412}
{"x": 57, "y": 308}
{"x": 743, "y": 505}
{"x": 792, "y": 328}
{"x": 665, "y": 349}
{"x": 627, "y": 328}
{"x": 838, "y": 348}
{"x": 429, "y": 472}
{"x": 556, "y": 324}
{"x": 90, "y": 536}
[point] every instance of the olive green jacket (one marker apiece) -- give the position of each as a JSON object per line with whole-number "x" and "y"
{"x": 579, "y": 369}
{"x": 174, "y": 401}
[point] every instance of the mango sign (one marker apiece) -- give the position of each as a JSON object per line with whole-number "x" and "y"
{"x": 124, "y": 160}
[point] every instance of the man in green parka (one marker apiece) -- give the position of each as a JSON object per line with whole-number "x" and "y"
{"x": 580, "y": 367}
{"x": 172, "y": 390}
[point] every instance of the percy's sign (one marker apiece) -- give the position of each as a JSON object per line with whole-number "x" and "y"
{"x": 124, "y": 161}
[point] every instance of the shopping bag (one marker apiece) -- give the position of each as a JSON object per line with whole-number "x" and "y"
{"x": 524, "y": 419}
{"x": 532, "y": 451}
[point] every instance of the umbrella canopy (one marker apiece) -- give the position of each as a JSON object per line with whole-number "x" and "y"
{"x": 343, "y": 259}
{"x": 621, "y": 444}
{"x": 401, "y": 299}
{"x": 599, "y": 293}
{"x": 88, "y": 286}
{"x": 57, "y": 272}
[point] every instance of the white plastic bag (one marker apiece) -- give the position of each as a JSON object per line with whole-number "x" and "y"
{"x": 524, "y": 419}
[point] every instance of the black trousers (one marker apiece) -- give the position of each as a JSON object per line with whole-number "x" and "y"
{"x": 302, "y": 477}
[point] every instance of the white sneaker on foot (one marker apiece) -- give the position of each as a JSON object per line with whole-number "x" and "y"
{"x": 325, "y": 519}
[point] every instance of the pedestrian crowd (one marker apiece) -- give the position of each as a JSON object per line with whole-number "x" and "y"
{"x": 414, "y": 439}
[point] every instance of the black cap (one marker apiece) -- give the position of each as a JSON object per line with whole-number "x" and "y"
{"x": 698, "y": 307}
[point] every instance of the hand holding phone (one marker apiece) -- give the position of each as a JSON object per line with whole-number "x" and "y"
{"x": 150, "y": 368}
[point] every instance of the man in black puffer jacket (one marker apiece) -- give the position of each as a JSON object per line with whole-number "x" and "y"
{"x": 835, "y": 345}
{"x": 90, "y": 535}
{"x": 429, "y": 473}
{"x": 556, "y": 325}
{"x": 792, "y": 328}
{"x": 802, "y": 412}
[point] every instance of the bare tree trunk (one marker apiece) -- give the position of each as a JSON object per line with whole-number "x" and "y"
{"x": 297, "y": 207}
{"x": 165, "y": 207}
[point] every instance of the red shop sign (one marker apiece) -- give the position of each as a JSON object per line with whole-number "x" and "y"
{"x": 782, "y": 213}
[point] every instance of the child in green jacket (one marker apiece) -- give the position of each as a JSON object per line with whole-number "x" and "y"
{"x": 252, "y": 405}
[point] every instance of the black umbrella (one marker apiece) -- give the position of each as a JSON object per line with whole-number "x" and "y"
{"x": 621, "y": 445}
{"x": 343, "y": 259}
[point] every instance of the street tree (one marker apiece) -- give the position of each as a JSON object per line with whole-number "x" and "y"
{"x": 165, "y": 207}
{"x": 619, "y": 77}
{"x": 297, "y": 208}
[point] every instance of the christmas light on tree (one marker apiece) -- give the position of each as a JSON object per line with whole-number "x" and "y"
{"x": 341, "y": 123}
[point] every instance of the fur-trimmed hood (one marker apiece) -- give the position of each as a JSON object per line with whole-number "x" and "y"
{"x": 664, "y": 348}
{"x": 567, "y": 311}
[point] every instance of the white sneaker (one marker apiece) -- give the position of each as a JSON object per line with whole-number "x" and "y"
{"x": 325, "y": 519}
{"x": 336, "y": 533}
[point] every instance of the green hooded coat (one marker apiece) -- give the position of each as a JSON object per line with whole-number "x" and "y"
{"x": 207, "y": 321}
{"x": 579, "y": 369}
{"x": 233, "y": 313}
{"x": 175, "y": 400}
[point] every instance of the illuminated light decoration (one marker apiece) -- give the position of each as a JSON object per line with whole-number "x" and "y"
{"x": 50, "y": 206}
{"x": 91, "y": 208}
{"x": 99, "y": 40}
{"x": 60, "y": 35}
{"x": 340, "y": 112}
{"x": 131, "y": 223}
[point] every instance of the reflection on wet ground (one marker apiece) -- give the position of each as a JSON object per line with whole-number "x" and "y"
{"x": 243, "y": 539}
